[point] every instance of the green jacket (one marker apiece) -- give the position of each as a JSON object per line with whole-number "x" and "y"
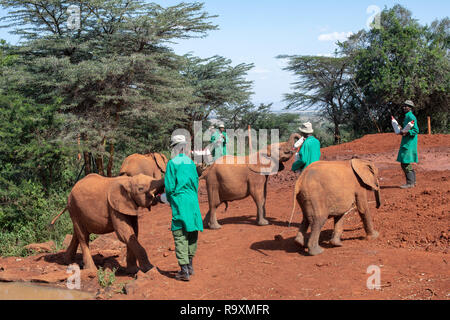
{"x": 218, "y": 151}
{"x": 408, "y": 147}
{"x": 309, "y": 153}
{"x": 181, "y": 183}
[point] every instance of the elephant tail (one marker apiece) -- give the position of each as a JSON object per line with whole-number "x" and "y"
{"x": 59, "y": 214}
{"x": 296, "y": 188}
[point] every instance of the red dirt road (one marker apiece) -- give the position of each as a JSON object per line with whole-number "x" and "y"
{"x": 244, "y": 261}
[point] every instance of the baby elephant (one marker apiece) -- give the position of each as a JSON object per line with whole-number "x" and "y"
{"x": 102, "y": 205}
{"x": 334, "y": 188}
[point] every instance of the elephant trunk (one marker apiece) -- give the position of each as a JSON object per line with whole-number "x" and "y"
{"x": 378, "y": 198}
{"x": 290, "y": 142}
{"x": 286, "y": 152}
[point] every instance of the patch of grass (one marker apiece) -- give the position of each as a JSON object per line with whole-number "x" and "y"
{"x": 105, "y": 277}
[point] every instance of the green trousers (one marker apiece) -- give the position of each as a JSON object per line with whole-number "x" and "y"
{"x": 407, "y": 167}
{"x": 185, "y": 245}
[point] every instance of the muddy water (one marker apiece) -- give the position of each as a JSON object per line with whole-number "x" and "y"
{"x": 27, "y": 291}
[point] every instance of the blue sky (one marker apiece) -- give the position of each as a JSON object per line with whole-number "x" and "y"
{"x": 256, "y": 31}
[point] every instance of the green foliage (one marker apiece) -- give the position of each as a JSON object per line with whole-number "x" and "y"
{"x": 105, "y": 277}
{"x": 322, "y": 84}
{"x": 34, "y": 174}
{"x": 399, "y": 61}
{"x": 25, "y": 218}
{"x": 374, "y": 72}
{"x": 113, "y": 85}
{"x": 115, "y": 66}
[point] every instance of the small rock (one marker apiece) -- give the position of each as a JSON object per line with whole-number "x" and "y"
{"x": 172, "y": 248}
{"x": 165, "y": 254}
{"x": 48, "y": 246}
{"x": 322, "y": 264}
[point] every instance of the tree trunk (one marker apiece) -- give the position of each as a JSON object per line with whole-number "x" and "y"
{"x": 111, "y": 160}
{"x": 99, "y": 164}
{"x": 87, "y": 163}
{"x": 337, "y": 134}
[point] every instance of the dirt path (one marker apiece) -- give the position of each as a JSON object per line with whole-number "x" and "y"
{"x": 244, "y": 261}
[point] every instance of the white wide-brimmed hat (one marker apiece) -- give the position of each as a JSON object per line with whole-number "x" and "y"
{"x": 306, "y": 127}
{"x": 178, "y": 139}
{"x": 409, "y": 103}
{"x": 221, "y": 125}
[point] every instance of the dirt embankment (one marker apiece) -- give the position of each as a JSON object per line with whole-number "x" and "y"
{"x": 244, "y": 261}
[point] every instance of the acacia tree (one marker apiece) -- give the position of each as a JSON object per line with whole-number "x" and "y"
{"x": 115, "y": 67}
{"x": 216, "y": 84}
{"x": 322, "y": 85}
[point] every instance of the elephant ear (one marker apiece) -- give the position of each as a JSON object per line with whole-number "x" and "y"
{"x": 265, "y": 165}
{"x": 161, "y": 161}
{"x": 367, "y": 172}
{"x": 157, "y": 186}
{"x": 119, "y": 197}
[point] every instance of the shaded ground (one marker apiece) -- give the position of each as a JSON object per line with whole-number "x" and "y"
{"x": 244, "y": 261}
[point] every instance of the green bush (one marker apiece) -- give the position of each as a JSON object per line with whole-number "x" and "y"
{"x": 25, "y": 219}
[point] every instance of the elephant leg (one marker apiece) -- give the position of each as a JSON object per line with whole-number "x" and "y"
{"x": 83, "y": 238}
{"x": 338, "y": 229}
{"x": 316, "y": 226}
{"x": 206, "y": 219}
{"x": 260, "y": 201}
{"x": 126, "y": 233}
{"x": 72, "y": 249}
{"x": 214, "y": 202}
{"x": 301, "y": 235}
{"x": 366, "y": 217}
{"x": 212, "y": 223}
{"x": 132, "y": 267}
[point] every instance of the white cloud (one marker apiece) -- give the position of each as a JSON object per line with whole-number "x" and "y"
{"x": 334, "y": 36}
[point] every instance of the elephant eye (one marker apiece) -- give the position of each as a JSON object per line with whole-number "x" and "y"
{"x": 141, "y": 189}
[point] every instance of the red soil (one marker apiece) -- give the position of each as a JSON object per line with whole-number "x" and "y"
{"x": 244, "y": 261}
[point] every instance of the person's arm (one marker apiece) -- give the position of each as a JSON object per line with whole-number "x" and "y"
{"x": 300, "y": 163}
{"x": 170, "y": 180}
{"x": 414, "y": 130}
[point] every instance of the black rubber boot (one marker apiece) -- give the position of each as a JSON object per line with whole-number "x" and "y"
{"x": 183, "y": 274}
{"x": 410, "y": 180}
{"x": 191, "y": 267}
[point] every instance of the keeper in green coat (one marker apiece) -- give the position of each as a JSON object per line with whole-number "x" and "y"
{"x": 310, "y": 149}
{"x": 219, "y": 139}
{"x": 408, "y": 147}
{"x": 181, "y": 184}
